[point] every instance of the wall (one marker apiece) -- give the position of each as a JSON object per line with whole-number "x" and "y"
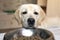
{"x": 53, "y": 8}
{"x": 53, "y": 13}
{"x": 13, "y": 4}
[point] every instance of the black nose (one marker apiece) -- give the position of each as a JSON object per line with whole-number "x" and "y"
{"x": 31, "y": 21}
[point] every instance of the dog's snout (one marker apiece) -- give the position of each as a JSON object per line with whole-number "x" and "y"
{"x": 31, "y": 21}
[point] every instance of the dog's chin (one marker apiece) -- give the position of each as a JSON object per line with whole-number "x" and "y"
{"x": 30, "y": 27}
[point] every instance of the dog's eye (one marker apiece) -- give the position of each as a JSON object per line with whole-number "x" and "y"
{"x": 35, "y": 13}
{"x": 24, "y": 12}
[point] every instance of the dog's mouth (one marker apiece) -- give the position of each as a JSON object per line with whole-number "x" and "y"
{"x": 30, "y": 25}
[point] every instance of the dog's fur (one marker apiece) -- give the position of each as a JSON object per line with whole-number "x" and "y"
{"x": 23, "y": 13}
{"x": 30, "y": 9}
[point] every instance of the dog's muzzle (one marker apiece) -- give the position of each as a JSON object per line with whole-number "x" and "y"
{"x": 31, "y": 22}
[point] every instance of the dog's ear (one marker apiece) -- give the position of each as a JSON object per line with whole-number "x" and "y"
{"x": 17, "y": 17}
{"x": 42, "y": 16}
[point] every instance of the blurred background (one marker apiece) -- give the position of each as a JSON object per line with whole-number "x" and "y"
{"x": 8, "y": 7}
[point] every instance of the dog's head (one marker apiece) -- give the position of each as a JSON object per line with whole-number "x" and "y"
{"x": 29, "y": 15}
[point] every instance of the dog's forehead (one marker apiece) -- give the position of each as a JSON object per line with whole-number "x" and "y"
{"x": 30, "y": 7}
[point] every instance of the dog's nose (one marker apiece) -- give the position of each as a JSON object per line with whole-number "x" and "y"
{"x": 31, "y": 21}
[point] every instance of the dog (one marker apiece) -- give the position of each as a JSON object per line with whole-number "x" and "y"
{"x": 29, "y": 15}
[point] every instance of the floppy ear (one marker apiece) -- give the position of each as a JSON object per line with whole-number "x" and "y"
{"x": 17, "y": 17}
{"x": 42, "y": 16}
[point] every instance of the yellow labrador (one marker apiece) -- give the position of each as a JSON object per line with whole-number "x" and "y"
{"x": 29, "y": 15}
